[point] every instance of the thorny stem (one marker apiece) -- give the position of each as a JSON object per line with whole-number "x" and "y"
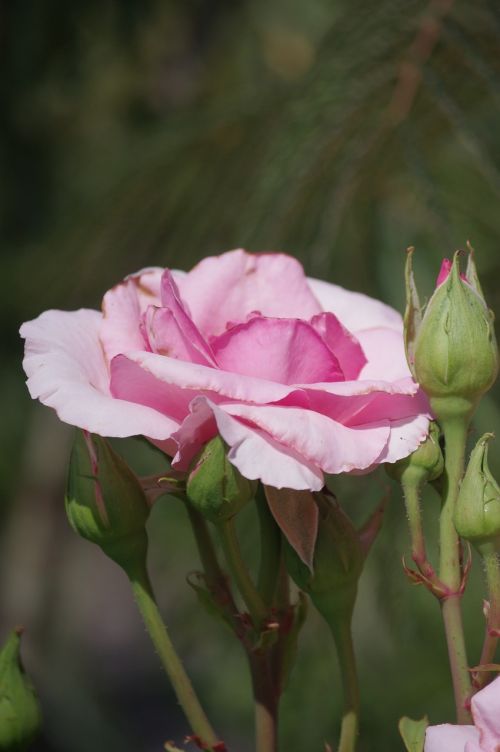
{"x": 492, "y": 633}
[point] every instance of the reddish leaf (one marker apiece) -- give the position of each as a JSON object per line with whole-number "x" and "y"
{"x": 297, "y": 515}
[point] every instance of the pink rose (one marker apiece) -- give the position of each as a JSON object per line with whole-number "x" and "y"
{"x": 483, "y": 736}
{"x": 299, "y": 377}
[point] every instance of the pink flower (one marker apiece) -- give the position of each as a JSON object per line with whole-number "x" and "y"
{"x": 483, "y": 736}
{"x": 300, "y": 377}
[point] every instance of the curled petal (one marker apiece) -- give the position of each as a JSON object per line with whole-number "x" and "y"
{"x": 67, "y": 371}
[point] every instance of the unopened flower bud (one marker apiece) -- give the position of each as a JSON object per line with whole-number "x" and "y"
{"x": 452, "y": 349}
{"x": 424, "y": 465}
{"x": 337, "y": 563}
{"x": 20, "y": 717}
{"x": 215, "y": 487}
{"x": 105, "y": 502}
{"x": 477, "y": 512}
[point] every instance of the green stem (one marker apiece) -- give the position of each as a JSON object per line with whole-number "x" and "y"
{"x": 181, "y": 683}
{"x": 450, "y": 573}
{"x": 341, "y": 631}
{"x": 266, "y": 702}
{"x": 251, "y": 596}
{"x": 213, "y": 573}
{"x": 270, "y": 551}
{"x": 412, "y": 504}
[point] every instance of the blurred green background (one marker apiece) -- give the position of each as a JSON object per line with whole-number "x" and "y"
{"x": 146, "y": 132}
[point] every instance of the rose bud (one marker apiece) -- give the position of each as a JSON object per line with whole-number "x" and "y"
{"x": 477, "y": 512}
{"x": 105, "y": 502}
{"x": 424, "y": 465}
{"x": 337, "y": 563}
{"x": 20, "y": 717}
{"x": 452, "y": 349}
{"x": 215, "y": 487}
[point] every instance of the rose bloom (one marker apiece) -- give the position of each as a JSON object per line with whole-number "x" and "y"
{"x": 483, "y": 736}
{"x": 299, "y": 377}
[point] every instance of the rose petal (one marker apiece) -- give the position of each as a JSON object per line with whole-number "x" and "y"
{"x": 341, "y": 342}
{"x": 196, "y": 378}
{"x": 67, "y": 371}
{"x": 122, "y": 307}
{"x": 355, "y": 310}
{"x": 288, "y": 351}
{"x": 486, "y": 714}
{"x": 256, "y": 454}
{"x": 166, "y": 336}
{"x": 385, "y": 354}
{"x": 171, "y": 299}
{"x": 297, "y": 516}
{"x": 449, "y": 738}
{"x": 333, "y": 447}
{"x": 226, "y": 288}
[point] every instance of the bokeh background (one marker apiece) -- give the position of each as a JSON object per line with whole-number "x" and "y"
{"x": 149, "y": 132}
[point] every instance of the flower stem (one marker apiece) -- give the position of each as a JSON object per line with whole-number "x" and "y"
{"x": 251, "y": 596}
{"x": 341, "y": 630}
{"x": 266, "y": 702}
{"x": 181, "y": 683}
{"x": 450, "y": 573}
{"x": 412, "y": 504}
{"x": 270, "y": 551}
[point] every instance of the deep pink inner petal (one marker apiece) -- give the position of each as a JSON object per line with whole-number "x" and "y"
{"x": 288, "y": 351}
{"x": 166, "y": 336}
{"x": 341, "y": 342}
{"x": 171, "y": 299}
{"x": 222, "y": 289}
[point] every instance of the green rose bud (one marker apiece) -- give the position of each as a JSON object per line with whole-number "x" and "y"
{"x": 105, "y": 502}
{"x": 452, "y": 350}
{"x": 215, "y": 487}
{"x": 477, "y": 512}
{"x": 337, "y": 563}
{"x": 20, "y": 717}
{"x": 425, "y": 464}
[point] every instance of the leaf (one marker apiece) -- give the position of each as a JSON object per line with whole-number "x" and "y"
{"x": 297, "y": 515}
{"x": 413, "y": 733}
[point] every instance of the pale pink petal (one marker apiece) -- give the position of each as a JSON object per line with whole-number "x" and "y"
{"x": 486, "y": 714}
{"x": 449, "y": 738}
{"x": 122, "y": 307}
{"x": 355, "y": 310}
{"x": 341, "y": 342}
{"x": 166, "y": 337}
{"x": 404, "y": 437}
{"x": 226, "y": 288}
{"x": 333, "y": 447}
{"x": 385, "y": 353}
{"x": 297, "y": 516}
{"x": 67, "y": 371}
{"x": 288, "y": 351}
{"x": 194, "y": 378}
{"x": 256, "y": 454}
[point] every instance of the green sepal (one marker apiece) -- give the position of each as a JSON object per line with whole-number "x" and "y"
{"x": 105, "y": 501}
{"x": 215, "y": 487}
{"x": 413, "y": 733}
{"x": 337, "y": 564}
{"x": 20, "y": 716}
{"x": 477, "y": 510}
{"x": 413, "y": 312}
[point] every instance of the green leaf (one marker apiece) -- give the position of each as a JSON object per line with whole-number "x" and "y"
{"x": 413, "y": 733}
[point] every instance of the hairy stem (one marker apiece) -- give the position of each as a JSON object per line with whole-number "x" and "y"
{"x": 172, "y": 664}
{"x": 450, "y": 573}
